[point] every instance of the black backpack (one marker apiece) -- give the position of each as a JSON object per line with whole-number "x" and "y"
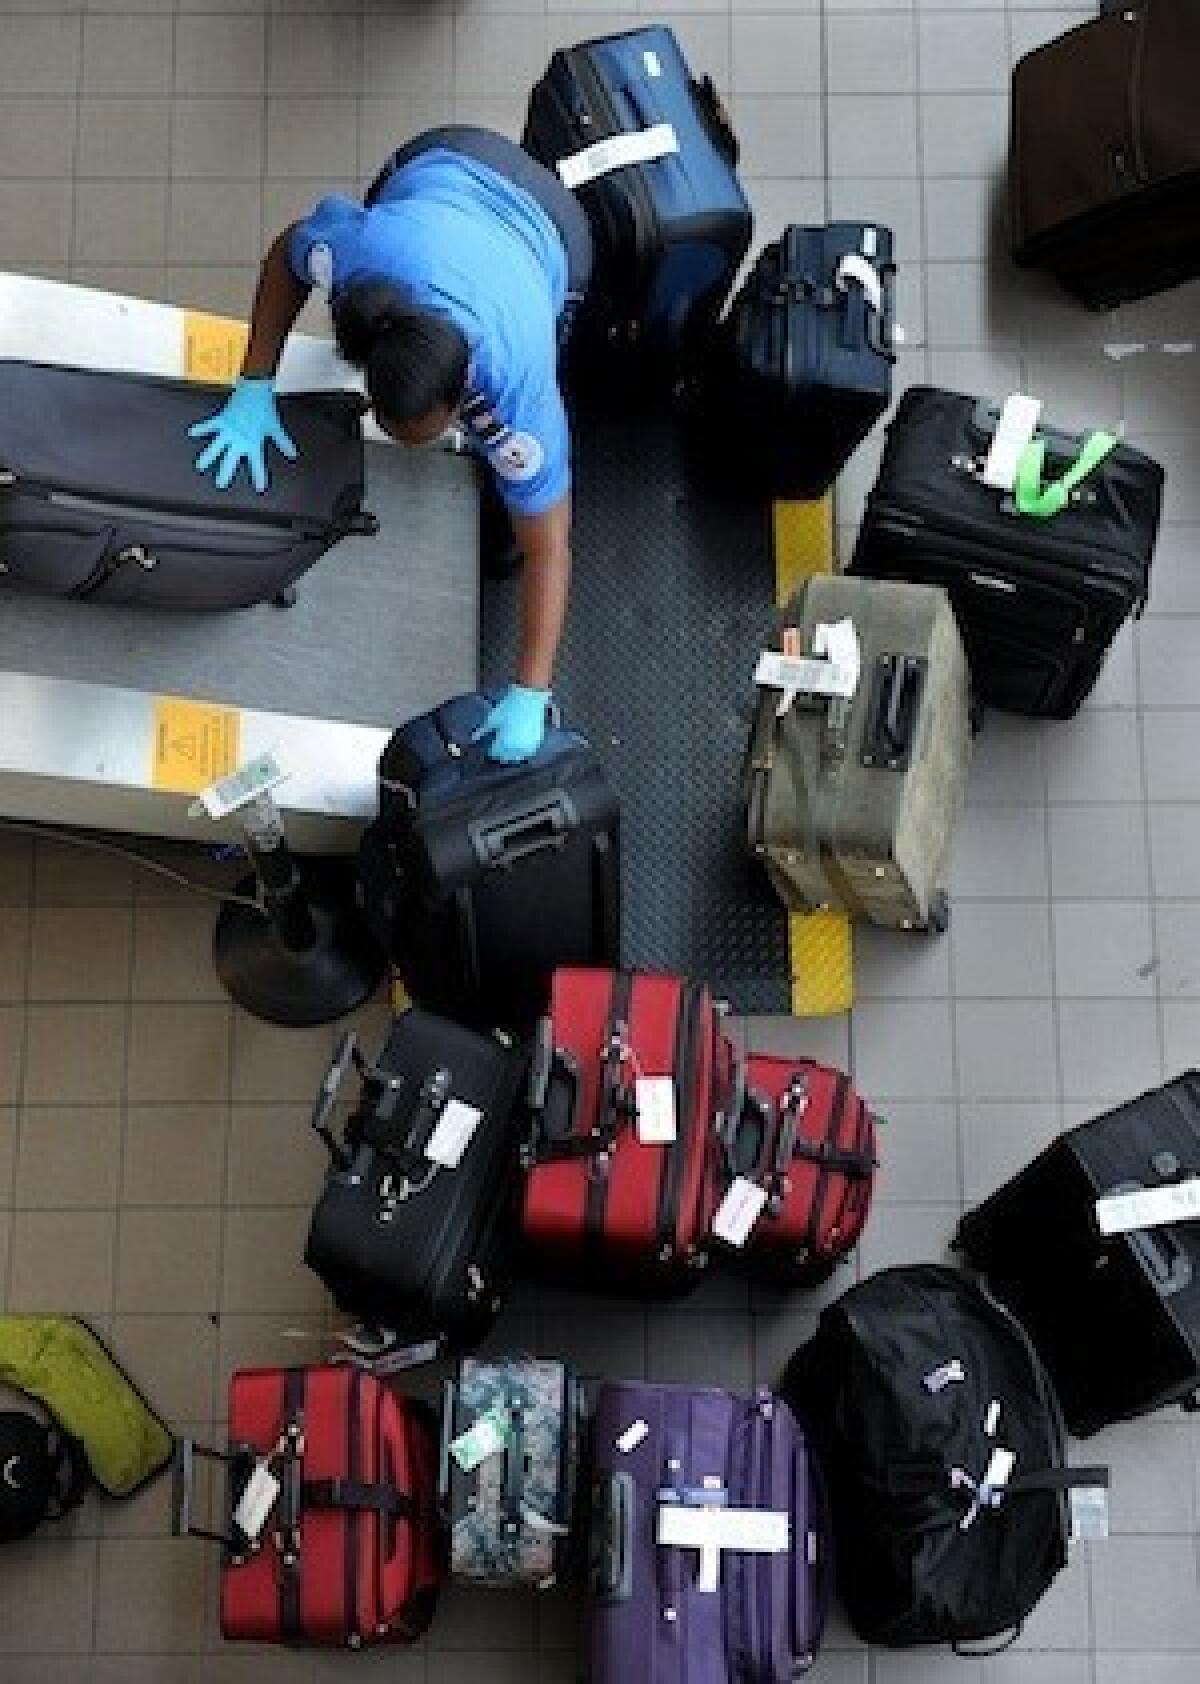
{"x": 43, "y": 1474}
{"x": 916, "y": 1386}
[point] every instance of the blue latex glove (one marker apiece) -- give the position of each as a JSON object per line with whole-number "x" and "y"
{"x": 516, "y": 724}
{"x": 240, "y": 431}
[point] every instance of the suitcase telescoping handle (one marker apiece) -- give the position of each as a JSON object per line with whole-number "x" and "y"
{"x": 498, "y": 843}
{"x": 183, "y": 1487}
{"x": 345, "y": 1054}
{"x": 892, "y": 711}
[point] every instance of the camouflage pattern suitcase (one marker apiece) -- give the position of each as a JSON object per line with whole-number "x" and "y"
{"x": 510, "y": 1462}
{"x": 852, "y": 787}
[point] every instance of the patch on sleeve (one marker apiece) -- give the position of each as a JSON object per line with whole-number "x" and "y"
{"x": 517, "y": 457}
{"x": 320, "y": 266}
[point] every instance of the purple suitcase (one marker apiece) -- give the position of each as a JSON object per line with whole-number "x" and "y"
{"x": 650, "y": 1621}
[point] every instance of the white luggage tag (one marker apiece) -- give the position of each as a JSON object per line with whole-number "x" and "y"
{"x": 453, "y": 1133}
{"x": 616, "y": 152}
{"x": 487, "y": 1436}
{"x": 655, "y": 1099}
{"x": 256, "y": 1502}
{"x": 1014, "y": 432}
{"x": 1089, "y": 1512}
{"x": 831, "y": 671}
{"x": 636, "y": 1433}
{"x": 1122, "y": 1213}
{"x": 738, "y": 1211}
{"x": 855, "y": 269}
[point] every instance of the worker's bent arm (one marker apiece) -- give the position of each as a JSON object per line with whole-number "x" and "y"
{"x": 545, "y": 542}
{"x": 277, "y": 302}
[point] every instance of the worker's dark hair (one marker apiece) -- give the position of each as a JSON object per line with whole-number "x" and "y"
{"x": 414, "y": 362}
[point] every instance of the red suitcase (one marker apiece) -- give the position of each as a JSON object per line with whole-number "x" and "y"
{"x": 602, "y": 1202}
{"x": 800, "y": 1132}
{"x": 350, "y": 1551}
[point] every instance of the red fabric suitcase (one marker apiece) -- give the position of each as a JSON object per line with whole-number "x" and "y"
{"x": 350, "y": 1551}
{"x": 800, "y": 1132}
{"x": 600, "y": 1204}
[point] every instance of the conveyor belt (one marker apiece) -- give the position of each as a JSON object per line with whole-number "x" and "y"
{"x": 673, "y": 592}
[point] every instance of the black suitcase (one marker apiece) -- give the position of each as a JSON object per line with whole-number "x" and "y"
{"x": 1104, "y": 154}
{"x": 1039, "y": 601}
{"x": 669, "y": 232}
{"x": 406, "y": 1240}
{"x": 805, "y": 361}
{"x": 100, "y": 498}
{"x": 945, "y": 1452}
{"x": 1115, "y": 1318}
{"x": 480, "y": 879}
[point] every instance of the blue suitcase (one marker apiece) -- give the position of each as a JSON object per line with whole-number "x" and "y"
{"x": 669, "y": 231}
{"x": 480, "y": 879}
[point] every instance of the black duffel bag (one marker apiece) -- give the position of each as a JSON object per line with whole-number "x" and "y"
{"x": 944, "y": 1448}
{"x": 43, "y": 1473}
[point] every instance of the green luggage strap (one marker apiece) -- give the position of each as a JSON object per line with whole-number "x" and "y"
{"x": 1043, "y": 502}
{"x": 61, "y": 1362}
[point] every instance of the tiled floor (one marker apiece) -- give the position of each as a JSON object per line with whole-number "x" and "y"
{"x": 154, "y": 1166}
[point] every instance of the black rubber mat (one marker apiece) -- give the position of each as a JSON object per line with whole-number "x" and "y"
{"x": 673, "y": 592}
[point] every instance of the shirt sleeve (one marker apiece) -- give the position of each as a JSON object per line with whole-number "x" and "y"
{"x": 531, "y": 456}
{"x": 317, "y": 242}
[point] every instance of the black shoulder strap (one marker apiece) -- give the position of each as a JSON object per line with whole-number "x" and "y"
{"x": 359, "y": 1496}
{"x": 72, "y": 1473}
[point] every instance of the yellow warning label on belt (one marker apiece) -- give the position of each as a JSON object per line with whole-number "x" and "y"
{"x": 213, "y": 347}
{"x": 195, "y": 743}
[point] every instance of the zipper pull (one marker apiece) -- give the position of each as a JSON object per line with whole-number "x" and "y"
{"x": 139, "y": 556}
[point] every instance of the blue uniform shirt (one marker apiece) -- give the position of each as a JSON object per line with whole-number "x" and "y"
{"x": 460, "y": 241}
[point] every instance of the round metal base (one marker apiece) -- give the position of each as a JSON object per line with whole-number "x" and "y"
{"x": 341, "y": 969}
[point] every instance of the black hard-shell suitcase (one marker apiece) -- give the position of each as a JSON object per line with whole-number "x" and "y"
{"x": 480, "y": 879}
{"x": 804, "y": 368}
{"x": 669, "y": 232}
{"x": 100, "y": 498}
{"x": 1038, "y": 601}
{"x": 407, "y": 1240}
{"x": 1115, "y": 1318}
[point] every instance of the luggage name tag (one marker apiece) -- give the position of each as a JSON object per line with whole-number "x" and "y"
{"x": 256, "y": 1502}
{"x": 1014, "y": 431}
{"x": 616, "y": 152}
{"x": 453, "y": 1133}
{"x": 538, "y": 1523}
{"x": 1122, "y": 1213}
{"x": 488, "y": 1436}
{"x": 1089, "y": 1512}
{"x": 655, "y": 1100}
{"x": 738, "y": 1211}
{"x": 257, "y": 777}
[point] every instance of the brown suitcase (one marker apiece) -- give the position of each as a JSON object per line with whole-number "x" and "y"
{"x": 1104, "y": 163}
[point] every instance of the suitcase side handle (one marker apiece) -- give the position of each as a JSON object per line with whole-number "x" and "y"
{"x": 502, "y": 842}
{"x": 893, "y": 710}
{"x": 1166, "y": 1261}
{"x": 512, "y": 1494}
{"x": 612, "y": 1538}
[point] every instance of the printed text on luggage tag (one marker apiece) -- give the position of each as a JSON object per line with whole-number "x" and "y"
{"x": 453, "y": 1133}
{"x": 655, "y": 1110}
{"x": 738, "y": 1211}
{"x": 617, "y": 151}
{"x": 257, "y": 1501}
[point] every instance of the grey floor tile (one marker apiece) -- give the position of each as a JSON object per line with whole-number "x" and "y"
{"x": 999, "y": 853}
{"x": 1001, "y": 1137}
{"x": 898, "y": 1234}
{"x": 37, "y": 138}
{"x": 1145, "y": 1668}
{"x": 123, "y": 138}
{"x": 1117, "y": 682}
{"x": 320, "y": 53}
{"x": 1095, "y": 757}
{"x": 822, "y": 1038}
{"x": 1153, "y": 1475}
{"x": 902, "y": 1050}
{"x": 215, "y": 222}
{"x": 1165, "y": 664}
{"x": 917, "y": 1142}
{"x": 871, "y": 54}
{"x": 218, "y": 138}
{"x": 1062, "y": 1619}
{"x": 896, "y": 204}
{"x": 1001, "y": 948}
{"x": 1146, "y": 1594}
{"x": 308, "y": 134}
{"x": 971, "y": 304}
{"x": 1181, "y": 1036}
{"x": 1175, "y": 849}
{"x": 1177, "y": 927}
{"x": 1005, "y": 1049}
{"x": 963, "y": 218}
{"x": 891, "y": 964}
{"x": 780, "y": 134}
{"x": 1108, "y": 1046}
{"x": 965, "y": 52}
{"x": 170, "y": 1609}
{"x": 1104, "y": 949}
{"x": 963, "y": 134}
{"x": 62, "y": 1261}
{"x": 41, "y": 55}
{"x": 168, "y": 1259}
{"x": 1006, "y": 767}
{"x": 779, "y": 1335}
{"x": 113, "y": 225}
{"x": 700, "y": 1349}
{"x": 175, "y": 1154}
{"x": 178, "y": 1053}
{"x": 34, "y": 1618}
{"x": 1081, "y": 391}
{"x": 1176, "y": 585}
{"x": 1098, "y": 852}
{"x": 36, "y": 218}
{"x": 127, "y": 54}
{"x": 707, "y": 41}
{"x": 776, "y": 53}
{"x": 220, "y": 55}
{"x": 68, "y": 1155}
{"x": 872, "y": 135}
{"x": 1172, "y": 753}
{"x": 494, "y": 53}
{"x": 980, "y": 371}
{"x": 412, "y": 52}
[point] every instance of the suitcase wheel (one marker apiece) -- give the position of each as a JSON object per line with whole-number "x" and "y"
{"x": 938, "y": 921}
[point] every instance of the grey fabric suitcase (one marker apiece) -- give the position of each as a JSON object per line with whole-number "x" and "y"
{"x": 511, "y": 1514}
{"x": 851, "y": 802}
